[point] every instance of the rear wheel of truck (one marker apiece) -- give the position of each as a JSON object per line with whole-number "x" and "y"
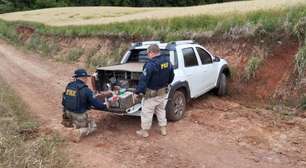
{"x": 177, "y": 106}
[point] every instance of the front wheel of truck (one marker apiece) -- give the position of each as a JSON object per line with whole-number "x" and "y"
{"x": 176, "y": 106}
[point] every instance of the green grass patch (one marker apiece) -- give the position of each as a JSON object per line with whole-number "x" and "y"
{"x": 8, "y": 32}
{"x": 252, "y": 66}
{"x": 20, "y": 143}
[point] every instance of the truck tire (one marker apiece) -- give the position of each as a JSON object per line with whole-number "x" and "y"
{"x": 177, "y": 106}
{"x": 221, "y": 89}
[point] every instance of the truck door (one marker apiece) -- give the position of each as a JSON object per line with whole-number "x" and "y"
{"x": 192, "y": 70}
{"x": 209, "y": 76}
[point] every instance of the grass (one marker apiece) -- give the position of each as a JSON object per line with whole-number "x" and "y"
{"x": 20, "y": 143}
{"x": 252, "y": 66}
{"x": 96, "y": 58}
{"x": 74, "y": 54}
{"x": 300, "y": 62}
{"x": 303, "y": 103}
{"x": 105, "y": 15}
{"x": 44, "y": 47}
{"x": 300, "y": 30}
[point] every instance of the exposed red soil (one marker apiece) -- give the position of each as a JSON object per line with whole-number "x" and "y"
{"x": 276, "y": 67}
{"x": 215, "y": 133}
{"x": 275, "y": 71}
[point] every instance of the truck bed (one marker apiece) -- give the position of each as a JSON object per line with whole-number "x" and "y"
{"x": 129, "y": 67}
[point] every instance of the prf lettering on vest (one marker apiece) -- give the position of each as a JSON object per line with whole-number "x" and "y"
{"x": 71, "y": 93}
{"x": 164, "y": 65}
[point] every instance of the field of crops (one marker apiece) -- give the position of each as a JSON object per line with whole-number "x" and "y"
{"x": 104, "y": 15}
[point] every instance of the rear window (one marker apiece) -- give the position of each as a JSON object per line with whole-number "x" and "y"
{"x": 140, "y": 55}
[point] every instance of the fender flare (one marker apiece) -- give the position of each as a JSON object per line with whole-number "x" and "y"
{"x": 179, "y": 85}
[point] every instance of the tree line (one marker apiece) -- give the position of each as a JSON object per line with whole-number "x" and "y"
{"x": 17, "y": 5}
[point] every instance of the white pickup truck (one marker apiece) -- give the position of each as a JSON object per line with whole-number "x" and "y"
{"x": 197, "y": 71}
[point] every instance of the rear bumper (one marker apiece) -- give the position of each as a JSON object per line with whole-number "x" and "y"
{"x": 132, "y": 111}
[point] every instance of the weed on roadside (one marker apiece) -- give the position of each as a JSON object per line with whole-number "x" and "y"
{"x": 303, "y": 103}
{"x": 300, "y": 30}
{"x": 46, "y": 48}
{"x": 97, "y": 58}
{"x": 74, "y": 54}
{"x": 252, "y": 66}
{"x": 300, "y": 62}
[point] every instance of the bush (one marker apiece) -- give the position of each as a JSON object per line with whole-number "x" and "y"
{"x": 252, "y": 66}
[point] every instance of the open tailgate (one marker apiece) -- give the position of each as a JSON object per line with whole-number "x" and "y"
{"x": 129, "y": 67}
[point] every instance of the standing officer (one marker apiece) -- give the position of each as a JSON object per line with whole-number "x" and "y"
{"x": 77, "y": 99}
{"x": 157, "y": 74}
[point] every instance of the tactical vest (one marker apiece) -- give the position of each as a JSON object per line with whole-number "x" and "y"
{"x": 72, "y": 97}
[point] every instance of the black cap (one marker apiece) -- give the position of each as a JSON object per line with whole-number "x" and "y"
{"x": 80, "y": 73}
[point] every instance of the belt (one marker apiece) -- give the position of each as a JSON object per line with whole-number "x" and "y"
{"x": 154, "y": 93}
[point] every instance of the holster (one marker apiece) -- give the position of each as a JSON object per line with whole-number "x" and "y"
{"x": 154, "y": 93}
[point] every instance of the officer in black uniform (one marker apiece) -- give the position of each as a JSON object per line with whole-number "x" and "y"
{"x": 157, "y": 74}
{"x": 77, "y": 99}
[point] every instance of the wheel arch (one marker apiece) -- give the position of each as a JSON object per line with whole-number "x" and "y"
{"x": 226, "y": 70}
{"x": 182, "y": 86}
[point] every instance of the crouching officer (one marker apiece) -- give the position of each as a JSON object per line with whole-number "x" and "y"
{"x": 153, "y": 85}
{"x": 77, "y": 99}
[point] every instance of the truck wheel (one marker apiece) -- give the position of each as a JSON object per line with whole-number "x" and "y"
{"x": 221, "y": 90}
{"x": 176, "y": 107}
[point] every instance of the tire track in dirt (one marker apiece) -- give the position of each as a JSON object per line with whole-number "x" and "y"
{"x": 201, "y": 139}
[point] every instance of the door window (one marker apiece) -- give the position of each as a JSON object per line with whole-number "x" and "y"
{"x": 204, "y": 56}
{"x": 190, "y": 58}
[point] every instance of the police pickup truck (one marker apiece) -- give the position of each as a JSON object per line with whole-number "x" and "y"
{"x": 197, "y": 71}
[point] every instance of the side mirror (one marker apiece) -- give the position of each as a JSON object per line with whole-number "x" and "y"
{"x": 216, "y": 59}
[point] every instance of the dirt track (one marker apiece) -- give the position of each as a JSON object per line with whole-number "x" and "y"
{"x": 216, "y": 133}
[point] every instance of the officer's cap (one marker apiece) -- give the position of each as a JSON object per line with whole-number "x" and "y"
{"x": 80, "y": 73}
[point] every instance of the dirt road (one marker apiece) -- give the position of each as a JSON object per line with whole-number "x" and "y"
{"x": 216, "y": 133}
